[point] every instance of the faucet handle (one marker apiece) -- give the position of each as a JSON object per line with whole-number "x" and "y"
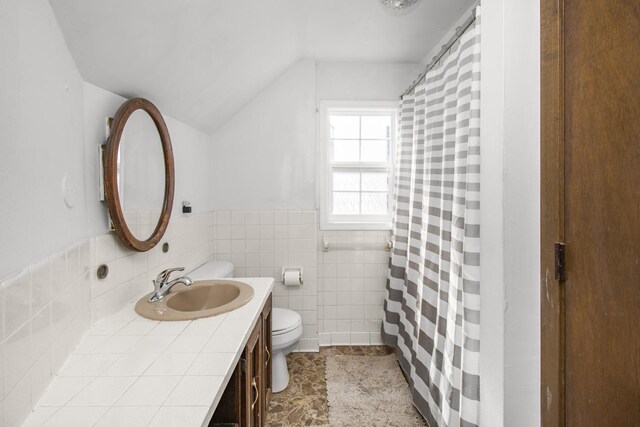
{"x": 164, "y": 275}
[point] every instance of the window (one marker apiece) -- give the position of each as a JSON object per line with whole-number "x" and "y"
{"x": 357, "y": 145}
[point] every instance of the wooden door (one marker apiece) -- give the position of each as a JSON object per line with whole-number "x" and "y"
{"x": 591, "y": 202}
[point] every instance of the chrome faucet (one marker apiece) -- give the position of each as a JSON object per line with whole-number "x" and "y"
{"x": 162, "y": 286}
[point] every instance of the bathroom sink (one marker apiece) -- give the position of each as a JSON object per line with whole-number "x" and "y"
{"x": 204, "y": 298}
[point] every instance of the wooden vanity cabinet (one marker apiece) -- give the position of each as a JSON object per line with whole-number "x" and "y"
{"x": 245, "y": 400}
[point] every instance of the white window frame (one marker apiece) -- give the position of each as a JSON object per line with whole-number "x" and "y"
{"x": 328, "y": 221}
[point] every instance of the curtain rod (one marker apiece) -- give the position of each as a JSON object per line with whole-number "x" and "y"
{"x": 445, "y": 48}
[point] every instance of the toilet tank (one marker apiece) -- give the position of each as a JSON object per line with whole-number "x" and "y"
{"x": 212, "y": 270}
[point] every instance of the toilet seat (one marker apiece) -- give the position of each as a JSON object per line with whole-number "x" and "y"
{"x": 284, "y": 321}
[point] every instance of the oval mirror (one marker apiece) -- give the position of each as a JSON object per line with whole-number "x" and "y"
{"x": 139, "y": 174}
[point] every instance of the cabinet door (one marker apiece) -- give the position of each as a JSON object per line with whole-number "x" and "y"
{"x": 266, "y": 337}
{"x": 229, "y": 410}
{"x": 252, "y": 379}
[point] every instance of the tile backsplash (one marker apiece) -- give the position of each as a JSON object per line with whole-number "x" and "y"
{"x": 45, "y": 309}
{"x": 342, "y": 296}
{"x": 190, "y": 241}
{"x": 260, "y": 243}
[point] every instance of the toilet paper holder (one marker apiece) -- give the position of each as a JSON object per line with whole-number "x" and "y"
{"x": 292, "y": 276}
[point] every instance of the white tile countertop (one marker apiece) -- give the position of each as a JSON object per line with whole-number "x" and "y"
{"x": 131, "y": 371}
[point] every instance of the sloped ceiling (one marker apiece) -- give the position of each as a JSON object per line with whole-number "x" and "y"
{"x": 201, "y": 61}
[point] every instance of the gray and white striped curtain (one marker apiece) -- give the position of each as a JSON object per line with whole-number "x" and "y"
{"x": 432, "y": 307}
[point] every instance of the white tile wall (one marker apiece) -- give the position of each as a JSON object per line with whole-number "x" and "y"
{"x": 260, "y": 243}
{"x": 190, "y": 242}
{"x": 342, "y": 298}
{"x": 351, "y": 287}
{"x": 45, "y": 309}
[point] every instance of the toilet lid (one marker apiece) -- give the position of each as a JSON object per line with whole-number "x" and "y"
{"x": 284, "y": 320}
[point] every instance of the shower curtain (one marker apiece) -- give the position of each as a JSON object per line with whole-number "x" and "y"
{"x": 432, "y": 306}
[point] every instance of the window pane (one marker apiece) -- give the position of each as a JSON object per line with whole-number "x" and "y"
{"x": 344, "y": 127}
{"x": 346, "y": 203}
{"x": 375, "y": 181}
{"x": 374, "y": 203}
{"x": 346, "y": 150}
{"x": 376, "y": 127}
{"x": 346, "y": 181}
{"x": 375, "y": 151}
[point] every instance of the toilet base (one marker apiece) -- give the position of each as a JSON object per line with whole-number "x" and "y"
{"x": 279, "y": 372}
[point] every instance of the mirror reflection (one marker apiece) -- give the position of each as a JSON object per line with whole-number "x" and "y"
{"x": 141, "y": 174}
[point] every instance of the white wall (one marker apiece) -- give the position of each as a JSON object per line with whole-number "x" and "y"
{"x": 492, "y": 216}
{"x": 510, "y": 336}
{"x": 522, "y": 213}
{"x": 40, "y": 137}
{"x": 264, "y": 157}
{"x": 362, "y": 81}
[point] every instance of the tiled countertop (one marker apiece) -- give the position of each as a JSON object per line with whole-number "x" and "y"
{"x": 131, "y": 371}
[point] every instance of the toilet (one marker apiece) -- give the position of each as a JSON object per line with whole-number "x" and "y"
{"x": 286, "y": 325}
{"x": 212, "y": 270}
{"x": 286, "y": 332}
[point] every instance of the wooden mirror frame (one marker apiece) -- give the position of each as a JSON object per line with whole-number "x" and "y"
{"x": 112, "y": 195}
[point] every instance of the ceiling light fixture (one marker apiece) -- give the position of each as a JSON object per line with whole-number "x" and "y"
{"x": 398, "y": 4}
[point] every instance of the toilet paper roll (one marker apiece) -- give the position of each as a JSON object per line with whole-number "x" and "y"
{"x": 292, "y": 278}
